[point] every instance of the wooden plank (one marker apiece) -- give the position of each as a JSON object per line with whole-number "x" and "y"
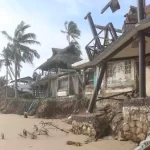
{"x": 104, "y": 28}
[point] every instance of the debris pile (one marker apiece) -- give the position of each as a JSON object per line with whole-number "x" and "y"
{"x": 105, "y": 121}
{"x": 43, "y": 129}
{"x": 82, "y": 128}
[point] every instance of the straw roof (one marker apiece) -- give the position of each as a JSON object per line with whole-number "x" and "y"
{"x": 61, "y": 58}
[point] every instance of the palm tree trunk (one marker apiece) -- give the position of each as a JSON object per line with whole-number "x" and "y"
{"x": 16, "y": 88}
{"x": 6, "y": 82}
{"x": 69, "y": 40}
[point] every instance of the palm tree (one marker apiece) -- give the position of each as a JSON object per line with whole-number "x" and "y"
{"x": 20, "y": 49}
{"x": 71, "y": 31}
{"x": 6, "y": 59}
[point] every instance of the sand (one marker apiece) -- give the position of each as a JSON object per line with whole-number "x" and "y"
{"x": 12, "y": 125}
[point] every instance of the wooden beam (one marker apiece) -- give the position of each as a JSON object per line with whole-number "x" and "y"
{"x": 98, "y": 86}
{"x": 127, "y": 58}
{"x": 104, "y": 28}
{"x": 108, "y": 97}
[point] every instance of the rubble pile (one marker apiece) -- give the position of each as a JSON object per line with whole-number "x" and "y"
{"x": 82, "y": 128}
{"x": 105, "y": 121}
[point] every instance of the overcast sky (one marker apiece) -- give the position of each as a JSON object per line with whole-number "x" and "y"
{"x": 47, "y": 18}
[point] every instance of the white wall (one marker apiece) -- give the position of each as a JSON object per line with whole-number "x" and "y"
{"x": 148, "y": 80}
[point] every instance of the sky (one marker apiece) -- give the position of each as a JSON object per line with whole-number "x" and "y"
{"x": 47, "y": 17}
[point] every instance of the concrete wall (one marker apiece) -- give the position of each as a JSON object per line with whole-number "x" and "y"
{"x": 119, "y": 77}
{"x": 148, "y": 80}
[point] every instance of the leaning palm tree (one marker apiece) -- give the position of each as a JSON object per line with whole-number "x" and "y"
{"x": 71, "y": 31}
{"x": 6, "y": 60}
{"x": 21, "y": 51}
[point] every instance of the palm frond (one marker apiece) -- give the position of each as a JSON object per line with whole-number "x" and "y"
{"x": 2, "y": 62}
{"x": 20, "y": 29}
{"x": 28, "y": 36}
{"x": 7, "y": 35}
{"x": 64, "y": 31}
{"x": 65, "y": 24}
{"x": 30, "y": 42}
{"x": 28, "y": 50}
{"x": 73, "y": 28}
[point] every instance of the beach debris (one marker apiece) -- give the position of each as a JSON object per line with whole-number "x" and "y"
{"x": 53, "y": 125}
{"x": 74, "y": 143}
{"x": 2, "y": 135}
{"x": 25, "y": 115}
{"x": 36, "y": 128}
{"x": 24, "y": 132}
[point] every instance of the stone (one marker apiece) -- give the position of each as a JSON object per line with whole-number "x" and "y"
{"x": 131, "y": 124}
{"x": 89, "y": 131}
{"x": 84, "y": 128}
{"x": 125, "y": 127}
{"x": 133, "y": 130}
{"x": 138, "y": 131}
{"x": 127, "y": 135}
{"x": 143, "y": 117}
{"x": 145, "y": 128}
{"x": 141, "y": 136}
{"x": 134, "y": 138}
{"x": 148, "y": 117}
{"x": 139, "y": 124}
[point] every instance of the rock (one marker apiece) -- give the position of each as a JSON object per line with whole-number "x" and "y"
{"x": 141, "y": 136}
{"x": 128, "y": 135}
{"x": 148, "y": 117}
{"x": 145, "y": 128}
{"x": 134, "y": 138}
{"x": 25, "y": 115}
{"x": 133, "y": 130}
{"x": 139, "y": 124}
{"x": 2, "y": 135}
{"x": 125, "y": 127}
{"x": 143, "y": 117}
{"x": 74, "y": 122}
{"x": 131, "y": 124}
{"x": 138, "y": 131}
{"x": 89, "y": 131}
{"x": 84, "y": 128}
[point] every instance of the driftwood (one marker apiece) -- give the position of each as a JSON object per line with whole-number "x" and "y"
{"x": 53, "y": 125}
{"x": 74, "y": 143}
{"x": 2, "y": 135}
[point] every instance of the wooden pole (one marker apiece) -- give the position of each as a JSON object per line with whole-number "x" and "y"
{"x": 68, "y": 84}
{"x": 142, "y": 72}
{"x": 98, "y": 86}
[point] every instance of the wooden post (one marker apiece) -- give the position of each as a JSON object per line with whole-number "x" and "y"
{"x": 84, "y": 80}
{"x": 142, "y": 72}
{"x": 98, "y": 86}
{"x": 68, "y": 84}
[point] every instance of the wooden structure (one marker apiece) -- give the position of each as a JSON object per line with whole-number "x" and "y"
{"x": 64, "y": 84}
{"x": 61, "y": 79}
{"x": 124, "y": 47}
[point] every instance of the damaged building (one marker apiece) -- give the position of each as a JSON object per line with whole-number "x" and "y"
{"x": 58, "y": 77}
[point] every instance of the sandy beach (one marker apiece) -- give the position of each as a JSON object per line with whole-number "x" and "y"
{"x": 12, "y": 125}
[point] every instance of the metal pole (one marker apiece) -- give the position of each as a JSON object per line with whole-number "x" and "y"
{"x": 142, "y": 74}
{"x": 93, "y": 29}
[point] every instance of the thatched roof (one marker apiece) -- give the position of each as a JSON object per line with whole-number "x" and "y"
{"x": 24, "y": 80}
{"x": 61, "y": 58}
